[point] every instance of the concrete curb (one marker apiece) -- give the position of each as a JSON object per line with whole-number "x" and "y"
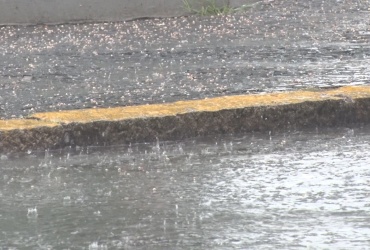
{"x": 184, "y": 119}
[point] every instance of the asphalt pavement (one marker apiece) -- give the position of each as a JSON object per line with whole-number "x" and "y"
{"x": 278, "y": 45}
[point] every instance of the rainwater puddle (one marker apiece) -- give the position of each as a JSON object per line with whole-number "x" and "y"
{"x": 299, "y": 190}
{"x": 278, "y": 46}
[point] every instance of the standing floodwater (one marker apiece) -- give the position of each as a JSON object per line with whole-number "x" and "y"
{"x": 253, "y": 191}
{"x": 280, "y": 45}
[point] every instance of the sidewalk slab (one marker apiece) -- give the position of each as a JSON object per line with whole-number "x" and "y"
{"x": 25, "y": 12}
{"x": 284, "y": 111}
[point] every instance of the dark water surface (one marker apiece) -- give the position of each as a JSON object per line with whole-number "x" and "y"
{"x": 299, "y": 190}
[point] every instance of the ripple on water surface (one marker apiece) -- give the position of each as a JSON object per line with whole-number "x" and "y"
{"x": 288, "y": 191}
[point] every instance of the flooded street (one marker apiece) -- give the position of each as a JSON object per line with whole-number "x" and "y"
{"x": 293, "y": 190}
{"x": 297, "y": 190}
{"x": 278, "y": 45}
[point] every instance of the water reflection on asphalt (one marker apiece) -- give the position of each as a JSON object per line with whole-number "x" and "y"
{"x": 295, "y": 190}
{"x": 286, "y": 45}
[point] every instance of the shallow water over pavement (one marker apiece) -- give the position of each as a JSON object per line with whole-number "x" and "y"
{"x": 283, "y": 45}
{"x": 296, "y": 190}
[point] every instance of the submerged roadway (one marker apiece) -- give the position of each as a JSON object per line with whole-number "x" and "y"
{"x": 278, "y": 45}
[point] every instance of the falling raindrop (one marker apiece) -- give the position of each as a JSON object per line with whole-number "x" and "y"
{"x": 66, "y": 200}
{"x": 32, "y": 213}
{"x": 96, "y": 246}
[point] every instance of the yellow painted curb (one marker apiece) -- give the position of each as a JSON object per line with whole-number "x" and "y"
{"x": 21, "y": 124}
{"x": 230, "y": 114}
{"x": 206, "y": 105}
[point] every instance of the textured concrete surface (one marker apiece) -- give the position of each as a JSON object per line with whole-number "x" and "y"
{"x": 179, "y": 120}
{"x": 76, "y": 11}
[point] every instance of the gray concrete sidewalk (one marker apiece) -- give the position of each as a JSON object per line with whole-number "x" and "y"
{"x": 278, "y": 46}
{"x": 77, "y": 11}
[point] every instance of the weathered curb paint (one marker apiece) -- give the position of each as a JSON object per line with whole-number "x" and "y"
{"x": 183, "y": 119}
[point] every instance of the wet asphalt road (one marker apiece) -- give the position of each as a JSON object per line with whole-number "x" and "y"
{"x": 295, "y": 190}
{"x": 277, "y": 46}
